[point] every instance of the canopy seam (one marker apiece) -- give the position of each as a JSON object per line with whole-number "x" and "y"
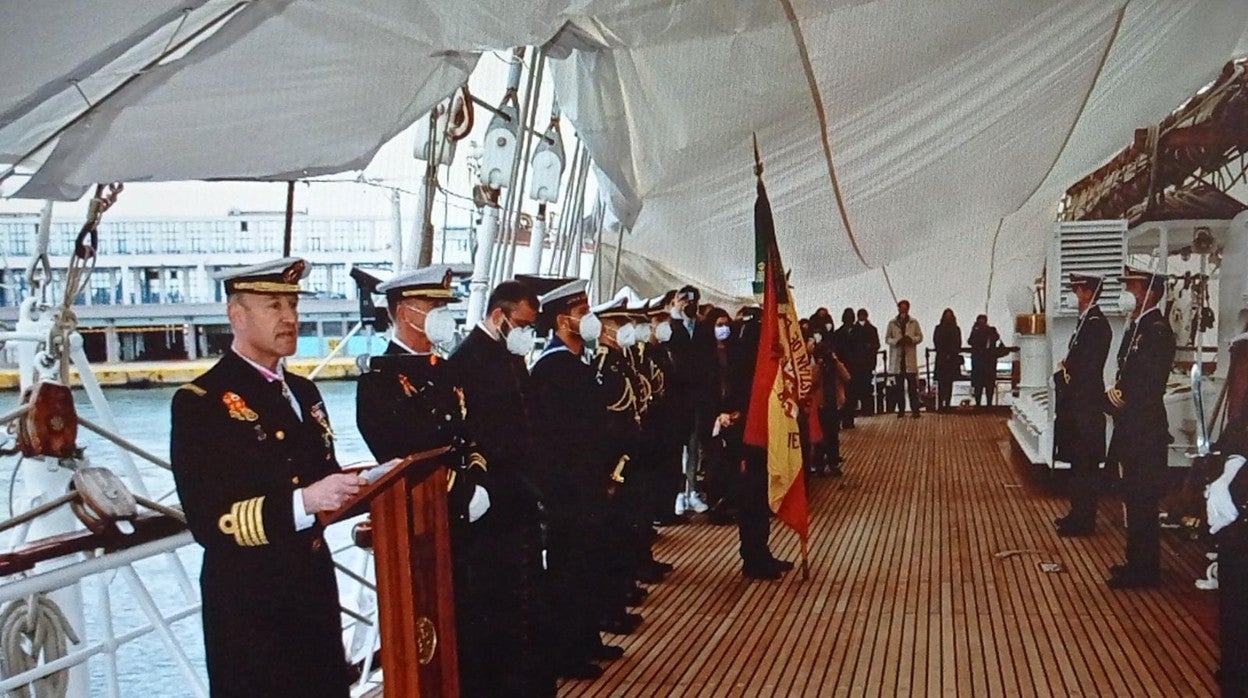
{"x": 1087, "y": 97}
{"x": 816, "y": 96}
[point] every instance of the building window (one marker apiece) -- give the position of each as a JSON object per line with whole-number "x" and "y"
{"x": 220, "y": 237}
{"x": 143, "y": 238}
{"x": 169, "y": 237}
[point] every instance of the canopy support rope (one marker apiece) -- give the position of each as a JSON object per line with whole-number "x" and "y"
{"x": 817, "y": 98}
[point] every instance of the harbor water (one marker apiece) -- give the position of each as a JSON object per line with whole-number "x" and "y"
{"x": 145, "y": 667}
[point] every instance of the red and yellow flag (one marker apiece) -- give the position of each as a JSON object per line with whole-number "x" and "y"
{"x": 783, "y": 376}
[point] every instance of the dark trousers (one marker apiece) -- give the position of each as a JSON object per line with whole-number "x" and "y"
{"x": 907, "y": 384}
{"x": 944, "y": 393}
{"x": 575, "y": 586}
{"x": 753, "y": 512}
{"x": 669, "y": 478}
{"x": 984, "y": 391}
{"x": 1085, "y": 492}
{"x": 1140, "y": 487}
{"x": 831, "y": 424}
{"x": 860, "y": 401}
{"x": 1233, "y": 619}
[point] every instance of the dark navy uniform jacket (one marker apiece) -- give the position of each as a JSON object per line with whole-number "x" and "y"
{"x": 405, "y": 404}
{"x": 1079, "y": 430}
{"x": 270, "y": 601}
{"x": 1145, "y": 357}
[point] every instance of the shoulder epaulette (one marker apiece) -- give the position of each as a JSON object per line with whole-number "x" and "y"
{"x": 194, "y": 389}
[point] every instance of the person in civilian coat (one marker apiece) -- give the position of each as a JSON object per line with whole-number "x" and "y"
{"x": 947, "y": 338}
{"x": 904, "y": 336}
{"x": 985, "y": 344}
{"x": 862, "y": 366}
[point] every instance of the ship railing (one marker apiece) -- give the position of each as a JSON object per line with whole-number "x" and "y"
{"x": 360, "y": 622}
{"x": 96, "y": 566}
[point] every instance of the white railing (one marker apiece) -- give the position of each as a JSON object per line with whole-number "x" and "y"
{"x": 361, "y": 624}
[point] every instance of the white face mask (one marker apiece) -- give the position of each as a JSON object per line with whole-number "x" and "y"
{"x": 663, "y": 332}
{"x": 643, "y": 333}
{"x": 1070, "y": 299}
{"x": 626, "y": 336}
{"x": 722, "y": 332}
{"x": 520, "y": 340}
{"x": 439, "y": 326}
{"x": 1126, "y": 302}
{"x": 677, "y": 315}
{"x": 818, "y": 337}
{"x": 589, "y": 327}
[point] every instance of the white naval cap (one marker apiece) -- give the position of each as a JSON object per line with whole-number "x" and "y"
{"x": 559, "y": 299}
{"x": 432, "y": 283}
{"x": 277, "y": 276}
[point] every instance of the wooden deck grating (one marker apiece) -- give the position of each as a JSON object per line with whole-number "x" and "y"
{"x": 912, "y": 592}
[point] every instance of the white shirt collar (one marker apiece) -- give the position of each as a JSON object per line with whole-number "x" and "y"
{"x": 270, "y": 376}
{"x": 489, "y": 331}
{"x": 406, "y": 348}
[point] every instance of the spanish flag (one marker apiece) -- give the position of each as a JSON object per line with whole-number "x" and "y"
{"x": 783, "y": 376}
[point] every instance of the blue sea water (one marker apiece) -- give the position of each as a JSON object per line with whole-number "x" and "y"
{"x": 145, "y": 667}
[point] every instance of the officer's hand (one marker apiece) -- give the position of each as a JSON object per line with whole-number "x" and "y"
{"x": 331, "y": 492}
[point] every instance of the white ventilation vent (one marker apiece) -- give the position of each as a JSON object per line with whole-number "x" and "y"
{"x": 1088, "y": 247}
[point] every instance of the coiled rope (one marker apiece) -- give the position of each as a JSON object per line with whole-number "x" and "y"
{"x": 32, "y": 630}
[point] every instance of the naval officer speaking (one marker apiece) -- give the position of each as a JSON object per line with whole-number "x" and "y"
{"x": 253, "y": 458}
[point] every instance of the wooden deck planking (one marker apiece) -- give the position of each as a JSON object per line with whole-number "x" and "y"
{"x": 907, "y": 597}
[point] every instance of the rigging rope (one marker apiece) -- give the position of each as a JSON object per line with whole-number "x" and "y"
{"x": 81, "y": 264}
{"x": 31, "y": 630}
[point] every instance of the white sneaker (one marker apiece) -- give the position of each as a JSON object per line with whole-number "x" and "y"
{"x": 682, "y": 504}
{"x": 696, "y": 503}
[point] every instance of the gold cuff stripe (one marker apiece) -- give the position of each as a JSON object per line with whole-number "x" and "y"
{"x": 266, "y": 287}
{"x": 257, "y": 521}
{"x": 245, "y": 521}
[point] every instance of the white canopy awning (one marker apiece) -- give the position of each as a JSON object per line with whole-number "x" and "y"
{"x": 922, "y": 143}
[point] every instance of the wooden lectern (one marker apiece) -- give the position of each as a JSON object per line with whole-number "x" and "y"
{"x": 415, "y": 596}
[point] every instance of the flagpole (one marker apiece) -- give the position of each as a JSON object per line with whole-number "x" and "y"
{"x": 770, "y": 285}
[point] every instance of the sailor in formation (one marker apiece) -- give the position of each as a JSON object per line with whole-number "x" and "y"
{"x": 408, "y": 402}
{"x": 489, "y": 367}
{"x": 626, "y": 380}
{"x": 253, "y": 458}
{"x": 1141, "y": 434}
{"x": 1079, "y": 430}
{"x": 575, "y": 472}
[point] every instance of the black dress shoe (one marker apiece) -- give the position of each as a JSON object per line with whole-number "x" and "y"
{"x": 782, "y": 565}
{"x": 634, "y": 596}
{"x": 670, "y": 520}
{"x": 647, "y": 574}
{"x": 1133, "y": 580}
{"x": 622, "y": 624}
{"x": 1118, "y": 570}
{"x": 719, "y": 517}
{"x": 1071, "y": 529}
{"x": 761, "y": 571}
{"x": 579, "y": 670}
{"x": 666, "y": 567}
{"x": 606, "y": 653}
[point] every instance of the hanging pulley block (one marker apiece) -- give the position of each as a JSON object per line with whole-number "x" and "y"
{"x": 547, "y": 164}
{"x": 50, "y": 425}
{"x": 103, "y": 499}
{"x": 501, "y": 139}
